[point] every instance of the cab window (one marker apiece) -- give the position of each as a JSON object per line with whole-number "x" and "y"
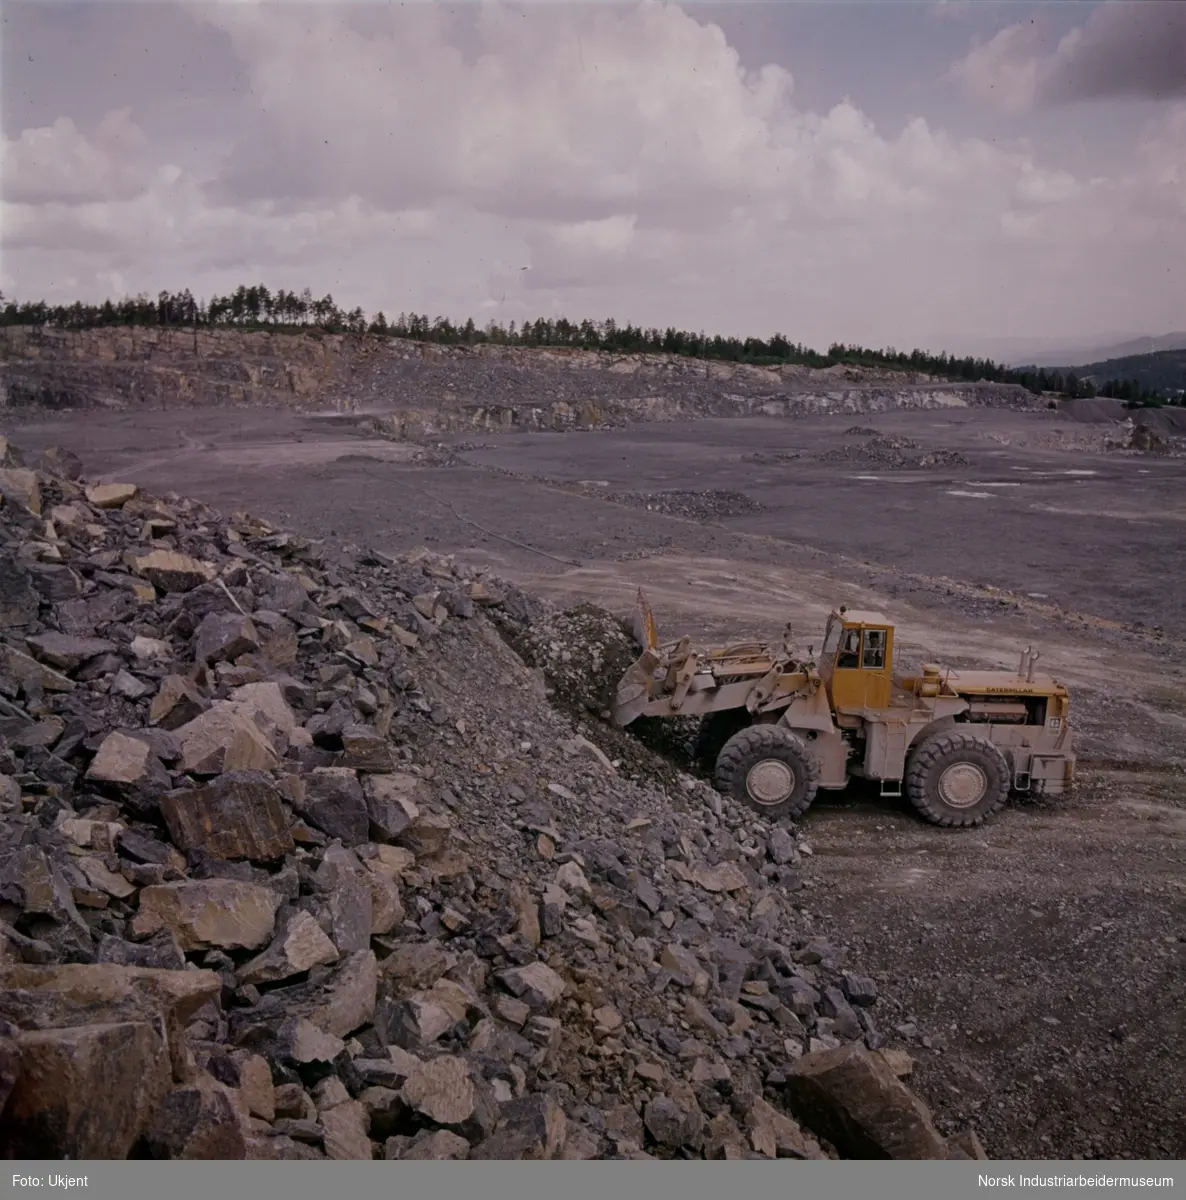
{"x": 874, "y": 656}
{"x": 832, "y": 637}
{"x": 850, "y": 650}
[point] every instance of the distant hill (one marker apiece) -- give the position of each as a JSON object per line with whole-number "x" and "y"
{"x": 1163, "y": 371}
{"x": 1085, "y": 357}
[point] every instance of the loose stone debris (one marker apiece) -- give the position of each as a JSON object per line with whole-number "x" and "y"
{"x": 707, "y": 505}
{"x": 896, "y": 453}
{"x": 301, "y": 859}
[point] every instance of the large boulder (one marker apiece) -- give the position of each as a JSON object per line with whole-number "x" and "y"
{"x": 86, "y": 1092}
{"x": 205, "y": 913}
{"x": 850, "y": 1097}
{"x": 238, "y": 815}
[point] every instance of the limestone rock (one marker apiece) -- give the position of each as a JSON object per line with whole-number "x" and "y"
{"x": 57, "y": 460}
{"x": 28, "y": 873}
{"x": 387, "y": 909}
{"x": 536, "y": 984}
{"x": 775, "y": 1135}
{"x": 441, "y": 1090}
{"x": 850, "y": 1097}
{"x": 209, "y": 912}
{"x": 66, "y": 652}
{"x": 255, "y": 1084}
{"x": 346, "y": 1131}
{"x": 238, "y": 815}
{"x": 176, "y": 703}
{"x": 307, "y": 1042}
{"x": 127, "y": 761}
{"x": 266, "y": 700}
{"x": 26, "y": 670}
{"x": 18, "y": 601}
{"x": 197, "y": 1121}
{"x": 150, "y": 651}
{"x": 347, "y": 892}
{"x": 173, "y": 572}
{"x": 424, "y": 1017}
{"x": 301, "y": 946}
{"x": 347, "y": 1001}
{"x": 726, "y": 877}
{"x": 437, "y": 1145}
{"x": 672, "y": 1124}
{"x": 333, "y": 801}
{"x": 530, "y": 1128}
{"x": 223, "y": 637}
{"x": 364, "y": 749}
{"x": 390, "y": 804}
{"x": 86, "y": 1092}
{"x": 898, "y": 1061}
{"x": 179, "y": 994}
{"x": 223, "y": 739}
{"x": 103, "y": 879}
{"x": 428, "y": 835}
{"x": 110, "y": 495}
{"x": 18, "y": 485}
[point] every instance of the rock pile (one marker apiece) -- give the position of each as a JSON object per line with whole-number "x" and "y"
{"x": 298, "y": 861}
{"x": 893, "y": 452}
{"x": 771, "y": 458}
{"x": 708, "y": 505}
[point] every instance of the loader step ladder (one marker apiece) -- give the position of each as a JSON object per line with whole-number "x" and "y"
{"x": 891, "y": 788}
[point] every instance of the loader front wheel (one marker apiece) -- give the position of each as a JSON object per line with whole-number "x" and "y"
{"x": 767, "y": 768}
{"x": 957, "y": 779}
{"x": 715, "y": 731}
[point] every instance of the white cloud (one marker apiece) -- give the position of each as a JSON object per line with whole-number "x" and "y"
{"x": 59, "y": 164}
{"x": 1125, "y": 48}
{"x": 1004, "y": 70}
{"x": 404, "y": 159}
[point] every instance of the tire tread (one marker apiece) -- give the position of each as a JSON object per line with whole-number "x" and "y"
{"x": 754, "y": 740}
{"x": 923, "y": 761}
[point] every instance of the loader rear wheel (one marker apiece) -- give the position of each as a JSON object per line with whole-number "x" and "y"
{"x": 767, "y": 768}
{"x": 957, "y": 779}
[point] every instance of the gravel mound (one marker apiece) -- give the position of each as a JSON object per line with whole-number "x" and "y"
{"x": 697, "y": 506}
{"x": 300, "y": 857}
{"x": 893, "y": 452}
{"x": 771, "y": 457}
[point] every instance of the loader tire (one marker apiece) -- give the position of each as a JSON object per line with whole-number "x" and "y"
{"x": 767, "y": 768}
{"x": 957, "y": 779}
{"x": 715, "y": 730}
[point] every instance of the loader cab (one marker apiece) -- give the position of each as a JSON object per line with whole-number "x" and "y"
{"x": 857, "y": 660}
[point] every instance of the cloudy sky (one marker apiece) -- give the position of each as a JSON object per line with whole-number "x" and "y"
{"x": 970, "y": 175}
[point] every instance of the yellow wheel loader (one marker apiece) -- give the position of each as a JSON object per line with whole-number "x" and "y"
{"x": 776, "y": 727}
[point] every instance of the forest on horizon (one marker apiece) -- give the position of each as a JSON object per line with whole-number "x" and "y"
{"x": 259, "y": 308}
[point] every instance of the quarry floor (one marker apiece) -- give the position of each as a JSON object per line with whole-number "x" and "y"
{"x": 1042, "y": 957}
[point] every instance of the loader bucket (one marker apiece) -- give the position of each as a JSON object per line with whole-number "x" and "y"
{"x": 645, "y": 633}
{"x": 634, "y": 689}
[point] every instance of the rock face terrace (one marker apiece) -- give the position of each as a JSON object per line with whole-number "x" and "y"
{"x": 413, "y": 389}
{"x": 980, "y": 527}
